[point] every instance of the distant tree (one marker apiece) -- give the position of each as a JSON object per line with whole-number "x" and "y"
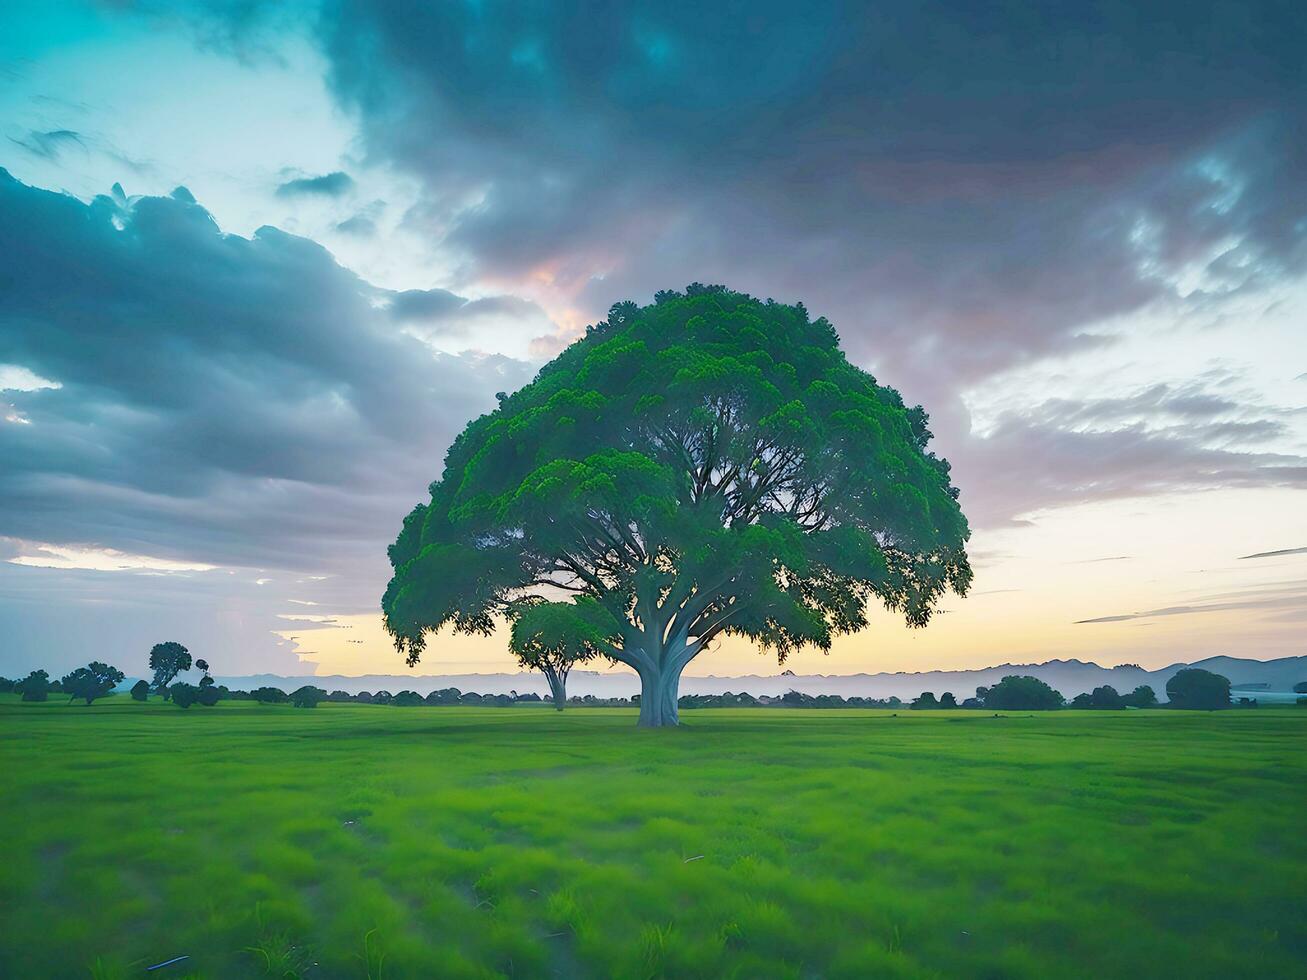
{"x": 446, "y": 695}
{"x": 202, "y": 665}
{"x": 307, "y": 696}
{"x": 973, "y": 703}
{"x": 167, "y": 660}
{"x": 208, "y": 694}
{"x": 947, "y": 700}
{"x": 552, "y": 637}
{"x": 340, "y": 696}
{"x": 363, "y": 697}
{"x": 407, "y": 699}
{"x": 56, "y": 687}
{"x": 35, "y": 686}
{"x": 6, "y": 685}
{"x": 1021, "y": 693}
{"x": 924, "y": 700}
{"x": 382, "y": 697}
{"x": 708, "y": 465}
{"x": 1142, "y": 696}
{"x": 91, "y": 682}
{"x": 140, "y": 690}
{"x": 269, "y": 695}
{"x": 1196, "y": 688}
{"x": 184, "y": 695}
{"x": 1106, "y": 697}
{"x": 1300, "y": 687}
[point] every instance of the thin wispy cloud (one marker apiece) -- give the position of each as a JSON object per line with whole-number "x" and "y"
{"x": 1275, "y": 554}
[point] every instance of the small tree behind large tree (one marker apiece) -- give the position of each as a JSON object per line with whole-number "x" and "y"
{"x": 93, "y": 681}
{"x": 552, "y": 637}
{"x": 167, "y": 660}
{"x": 708, "y": 465}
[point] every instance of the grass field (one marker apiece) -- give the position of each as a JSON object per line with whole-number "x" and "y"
{"x": 369, "y": 841}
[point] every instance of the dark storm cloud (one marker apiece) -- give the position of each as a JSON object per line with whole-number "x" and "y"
{"x": 237, "y": 402}
{"x": 961, "y": 188}
{"x": 333, "y": 184}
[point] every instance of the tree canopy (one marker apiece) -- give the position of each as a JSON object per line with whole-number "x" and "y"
{"x": 167, "y": 660}
{"x": 710, "y": 464}
{"x": 1020, "y": 693}
{"x": 1194, "y": 687}
{"x": 93, "y": 681}
{"x": 35, "y": 686}
{"x": 554, "y": 636}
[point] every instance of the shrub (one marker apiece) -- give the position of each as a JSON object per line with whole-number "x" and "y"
{"x": 1200, "y": 689}
{"x": 140, "y": 690}
{"x": 184, "y": 695}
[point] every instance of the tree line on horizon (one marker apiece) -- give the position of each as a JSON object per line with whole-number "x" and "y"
{"x": 1192, "y": 688}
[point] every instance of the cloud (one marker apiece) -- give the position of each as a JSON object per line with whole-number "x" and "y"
{"x": 359, "y": 224}
{"x": 960, "y": 192}
{"x": 50, "y": 144}
{"x": 1275, "y": 554}
{"x": 220, "y": 401}
{"x": 501, "y": 322}
{"x": 1065, "y": 452}
{"x": 335, "y": 184}
{"x": 14, "y": 377}
{"x": 1280, "y": 598}
{"x": 102, "y": 559}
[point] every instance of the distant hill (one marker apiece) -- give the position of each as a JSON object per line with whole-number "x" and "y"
{"x": 1071, "y": 677}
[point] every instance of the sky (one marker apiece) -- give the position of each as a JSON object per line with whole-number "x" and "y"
{"x": 263, "y": 261}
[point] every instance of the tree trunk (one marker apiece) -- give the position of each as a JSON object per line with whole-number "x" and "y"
{"x": 659, "y": 690}
{"x": 557, "y": 687}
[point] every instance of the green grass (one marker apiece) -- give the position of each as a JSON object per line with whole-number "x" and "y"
{"x": 369, "y": 841}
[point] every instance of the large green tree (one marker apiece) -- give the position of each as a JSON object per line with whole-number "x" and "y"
{"x": 707, "y": 465}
